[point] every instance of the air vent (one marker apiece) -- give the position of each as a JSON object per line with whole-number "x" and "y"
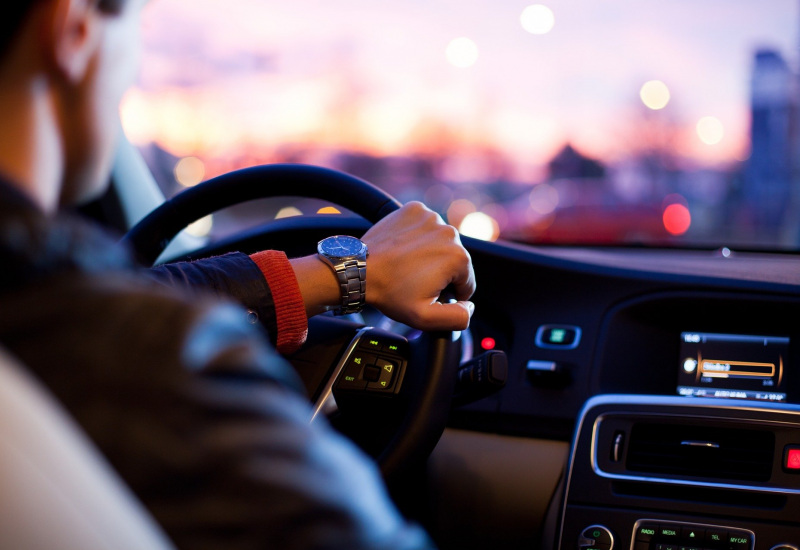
{"x": 701, "y": 451}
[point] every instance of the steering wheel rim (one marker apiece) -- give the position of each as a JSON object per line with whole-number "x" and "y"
{"x": 428, "y": 408}
{"x": 151, "y": 236}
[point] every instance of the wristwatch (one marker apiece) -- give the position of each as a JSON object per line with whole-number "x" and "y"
{"x": 347, "y": 256}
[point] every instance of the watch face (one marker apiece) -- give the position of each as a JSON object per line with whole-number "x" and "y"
{"x": 341, "y": 246}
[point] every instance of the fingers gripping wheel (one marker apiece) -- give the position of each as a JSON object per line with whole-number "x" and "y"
{"x": 427, "y": 379}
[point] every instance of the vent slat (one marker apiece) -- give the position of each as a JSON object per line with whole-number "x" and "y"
{"x": 698, "y": 451}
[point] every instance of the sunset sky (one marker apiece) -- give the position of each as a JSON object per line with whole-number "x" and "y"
{"x": 219, "y": 77}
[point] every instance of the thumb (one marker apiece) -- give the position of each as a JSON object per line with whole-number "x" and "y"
{"x": 448, "y": 316}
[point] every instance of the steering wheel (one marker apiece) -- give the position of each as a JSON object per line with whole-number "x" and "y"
{"x": 398, "y": 428}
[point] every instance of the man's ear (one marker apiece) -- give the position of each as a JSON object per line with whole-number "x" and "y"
{"x": 73, "y": 36}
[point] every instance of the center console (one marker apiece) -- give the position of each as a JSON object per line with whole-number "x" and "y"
{"x": 683, "y": 473}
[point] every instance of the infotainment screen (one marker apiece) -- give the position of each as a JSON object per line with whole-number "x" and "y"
{"x": 734, "y": 366}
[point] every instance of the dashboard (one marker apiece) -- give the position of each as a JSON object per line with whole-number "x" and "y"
{"x": 627, "y": 321}
{"x": 606, "y": 348}
{"x": 673, "y": 376}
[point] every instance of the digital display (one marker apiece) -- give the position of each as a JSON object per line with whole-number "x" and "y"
{"x": 732, "y": 366}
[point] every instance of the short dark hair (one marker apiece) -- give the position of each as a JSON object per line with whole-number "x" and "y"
{"x": 14, "y": 12}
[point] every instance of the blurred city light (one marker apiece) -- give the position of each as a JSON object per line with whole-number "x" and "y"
{"x": 710, "y": 130}
{"x": 479, "y": 226}
{"x": 189, "y": 171}
{"x": 655, "y": 94}
{"x": 543, "y": 198}
{"x": 462, "y": 52}
{"x": 288, "y": 212}
{"x": 201, "y": 227}
{"x": 677, "y": 219}
{"x": 136, "y": 119}
{"x": 537, "y": 19}
{"x": 458, "y": 210}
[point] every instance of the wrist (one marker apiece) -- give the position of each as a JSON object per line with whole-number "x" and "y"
{"x": 318, "y": 285}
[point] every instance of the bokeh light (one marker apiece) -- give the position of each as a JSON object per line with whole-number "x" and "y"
{"x": 462, "y": 52}
{"x": 543, "y": 198}
{"x": 458, "y": 210}
{"x": 677, "y": 219}
{"x": 654, "y": 94}
{"x": 189, "y": 171}
{"x": 479, "y": 226}
{"x": 710, "y": 130}
{"x": 288, "y": 212}
{"x": 202, "y": 227}
{"x": 537, "y": 19}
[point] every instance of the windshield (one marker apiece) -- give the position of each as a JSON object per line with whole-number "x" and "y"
{"x": 658, "y": 122}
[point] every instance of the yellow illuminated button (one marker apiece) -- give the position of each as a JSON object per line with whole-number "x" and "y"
{"x": 386, "y": 380}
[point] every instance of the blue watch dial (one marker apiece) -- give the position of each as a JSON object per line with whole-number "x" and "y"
{"x": 341, "y": 246}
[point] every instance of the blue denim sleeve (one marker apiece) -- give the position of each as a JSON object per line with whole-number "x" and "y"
{"x": 232, "y": 276}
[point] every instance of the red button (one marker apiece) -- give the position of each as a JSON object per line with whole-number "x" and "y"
{"x": 792, "y": 459}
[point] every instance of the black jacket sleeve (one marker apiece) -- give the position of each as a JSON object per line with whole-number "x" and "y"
{"x": 201, "y": 417}
{"x": 230, "y": 276}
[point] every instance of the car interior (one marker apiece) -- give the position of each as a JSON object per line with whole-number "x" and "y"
{"x": 640, "y": 392}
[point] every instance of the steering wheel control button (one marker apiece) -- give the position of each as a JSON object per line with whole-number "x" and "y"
{"x": 558, "y": 336}
{"x": 371, "y": 373}
{"x": 371, "y": 342}
{"x": 353, "y": 375}
{"x": 386, "y": 370}
{"x": 596, "y": 537}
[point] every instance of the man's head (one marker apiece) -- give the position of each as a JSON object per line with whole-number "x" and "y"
{"x": 65, "y": 65}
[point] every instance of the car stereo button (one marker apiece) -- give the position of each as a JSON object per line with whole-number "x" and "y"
{"x": 739, "y": 540}
{"x": 646, "y": 532}
{"x": 716, "y": 536}
{"x": 791, "y": 459}
{"x": 558, "y": 336}
{"x": 692, "y": 535}
{"x": 596, "y": 537}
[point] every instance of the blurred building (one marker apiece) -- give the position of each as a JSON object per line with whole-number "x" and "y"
{"x": 769, "y": 171}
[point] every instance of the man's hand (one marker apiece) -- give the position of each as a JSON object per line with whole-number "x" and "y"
{"x": 413, "y": 257}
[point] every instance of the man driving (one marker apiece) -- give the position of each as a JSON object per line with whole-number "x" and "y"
{"x": 187, "y": 400}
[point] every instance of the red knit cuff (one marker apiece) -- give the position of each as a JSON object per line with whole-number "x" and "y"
{"x": 290, "y": 311}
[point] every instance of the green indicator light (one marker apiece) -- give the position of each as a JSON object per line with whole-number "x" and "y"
{"x": 691, "y": 535}
{"x": 393, "y": 347}
{"x": 350, "y": 378}
{"x": 373, "y": 342}
{"x": 357, "y": 360}
{"x": 557, "y": 335}
{"x": 596, "y": 534}
{"x": 647, "y": 531}
{"x": 383, "y": 383}
{"x": 715, "y": 538}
